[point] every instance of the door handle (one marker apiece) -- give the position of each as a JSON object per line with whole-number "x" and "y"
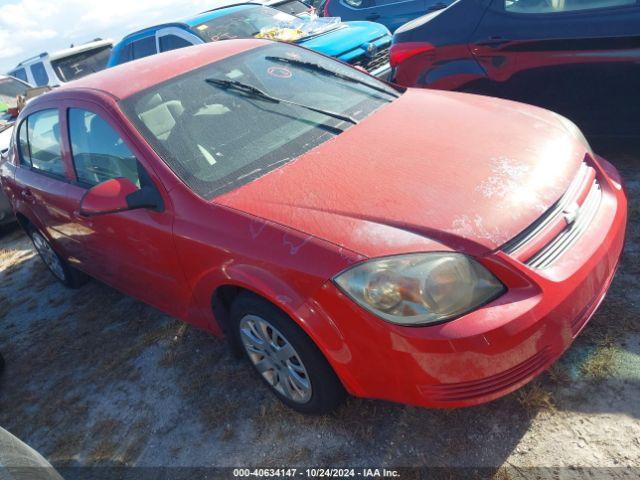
{"x": 373, "y": 16}
{"x": 27, "y": 195}
{"x": 493, "y": 42}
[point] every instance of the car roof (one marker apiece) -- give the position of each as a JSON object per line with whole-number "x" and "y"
{"x": 218, "y": 12}
{"x": 65, "y": 52}
{"x": 80, "y": 48}
{"x": 130, "y": 78}
{"x": 148, "y": 31}
{"x": 188, "y": 23}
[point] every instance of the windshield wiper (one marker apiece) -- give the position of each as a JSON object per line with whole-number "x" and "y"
{"x": 257, "y": 93}
{"x": 316, "y": 67}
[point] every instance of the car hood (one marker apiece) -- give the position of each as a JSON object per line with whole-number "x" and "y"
{"x": 431, "y": 170}
{"x": 348, "y": 38}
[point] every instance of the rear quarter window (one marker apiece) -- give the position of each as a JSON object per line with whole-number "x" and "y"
{"x": 20, "y": 73}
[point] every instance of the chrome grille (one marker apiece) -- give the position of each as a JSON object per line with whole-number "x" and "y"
{"x": 584, "y": 185}
{"x": 569, "y": 235}
{"x": 548, "y": 217}
{"x": 370, "y": 64}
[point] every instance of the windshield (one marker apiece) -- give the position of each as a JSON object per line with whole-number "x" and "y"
{"x": 216, "y": 138}
{"x": 82, "y": 64}
{"x": 246, "y": 21}
{"x": 10, "y": 88}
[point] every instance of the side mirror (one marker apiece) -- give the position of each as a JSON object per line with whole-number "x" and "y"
{"x": 118, "y": 195}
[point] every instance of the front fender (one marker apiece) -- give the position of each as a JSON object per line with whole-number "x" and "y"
{"x": 305, "y": 311}
{"x": 258, "y": 280}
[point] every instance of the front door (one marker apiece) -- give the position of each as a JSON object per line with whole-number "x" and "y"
{"x": 132, "y": 250}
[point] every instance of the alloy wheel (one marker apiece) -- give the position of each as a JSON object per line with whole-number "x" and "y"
{"x": 275, "y": 358}
{"x": 49, "y": 257}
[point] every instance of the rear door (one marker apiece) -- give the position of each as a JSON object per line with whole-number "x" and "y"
{"x": 42, "y": 176}
{"x": 578, "y": 57}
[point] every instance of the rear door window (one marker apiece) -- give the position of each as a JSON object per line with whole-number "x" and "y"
{"x": 39, "y": 73}
{"x": 126, "y": 53}
{"x": 39, "y": 140}
{"x": 144, "y": 47}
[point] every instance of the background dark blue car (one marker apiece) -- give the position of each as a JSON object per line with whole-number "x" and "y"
{"x": 390, "y": 13}
{"x": 580, "y": 58}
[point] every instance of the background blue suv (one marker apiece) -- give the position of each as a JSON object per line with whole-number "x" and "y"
{"x": 363, "y": 44}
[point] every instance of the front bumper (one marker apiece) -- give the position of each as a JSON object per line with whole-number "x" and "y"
{"x": 493, "y": 350}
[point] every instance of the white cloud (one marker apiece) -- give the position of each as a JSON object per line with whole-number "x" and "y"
{"x": 30, "y": 27}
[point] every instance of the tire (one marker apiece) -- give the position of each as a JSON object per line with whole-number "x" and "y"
{"x": 59, "y": 268}
{"x": 282, "y": 369}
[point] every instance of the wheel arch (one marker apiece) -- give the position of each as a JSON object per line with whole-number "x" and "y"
{"x": 220, "y": 291}
{"x": 321, "y": 330}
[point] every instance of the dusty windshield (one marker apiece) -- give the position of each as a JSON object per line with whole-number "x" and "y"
{"x": 82, "y": 64}
{"x": 247, "y": 21}
{"x": 216, "y": 132}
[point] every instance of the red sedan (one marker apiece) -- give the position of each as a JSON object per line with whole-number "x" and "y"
{"x": 425, "y": 247}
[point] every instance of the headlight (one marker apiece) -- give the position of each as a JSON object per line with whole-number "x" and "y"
{"x": 354, "y": 3}
{"x": 420, "y": 288}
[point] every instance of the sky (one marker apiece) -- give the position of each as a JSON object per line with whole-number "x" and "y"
{"x": 30, "y": 27}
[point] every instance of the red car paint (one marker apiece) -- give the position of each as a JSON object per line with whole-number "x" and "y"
{"x": 415, "y": 59}
{"x": 431, "y": 171}
{"x": 110, "y": 196}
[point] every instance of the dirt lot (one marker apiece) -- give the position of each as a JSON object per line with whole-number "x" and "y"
{"x": 96, "y": 378}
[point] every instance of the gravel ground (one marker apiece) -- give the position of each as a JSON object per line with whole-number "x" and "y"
{"x": 96, "y": 378}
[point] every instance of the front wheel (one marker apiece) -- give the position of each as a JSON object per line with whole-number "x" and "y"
{"x": 64, "y": 273}
{"x": 285, "y": 357}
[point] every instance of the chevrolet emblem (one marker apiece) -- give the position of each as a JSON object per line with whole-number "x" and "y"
{"x": 570, "y": 213}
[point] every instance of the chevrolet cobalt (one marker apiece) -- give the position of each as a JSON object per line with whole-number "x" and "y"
{"x": 349, "y": 237}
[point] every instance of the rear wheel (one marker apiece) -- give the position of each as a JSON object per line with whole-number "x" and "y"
{"x": 64, "y": 273}
{"x": 285, "y": 357}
